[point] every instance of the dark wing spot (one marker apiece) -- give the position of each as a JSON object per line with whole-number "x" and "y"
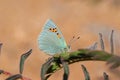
{"x": 57, "y": 33}
{"x": 55, "y": 30}
{"x": 50, "y": 29}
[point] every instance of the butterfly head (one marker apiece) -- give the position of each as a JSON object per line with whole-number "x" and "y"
{"x": 67, "y": 49}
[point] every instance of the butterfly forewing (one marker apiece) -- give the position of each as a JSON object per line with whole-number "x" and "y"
{"x": 51, "y": 39}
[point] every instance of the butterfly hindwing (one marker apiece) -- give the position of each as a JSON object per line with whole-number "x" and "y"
{"x": 51, "y": 39}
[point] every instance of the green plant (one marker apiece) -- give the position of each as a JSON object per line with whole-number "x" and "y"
{"x": 63, "y": 60}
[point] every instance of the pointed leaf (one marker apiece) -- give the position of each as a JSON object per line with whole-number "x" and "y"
{"x": 45, "y": 68}
{"x": 23, "y": 58}
{"x": 101, "y": 42}
{"x": 86, "y": 74}
{"x": 111, "y": 42}
{"x": 14, "y": 77}
{"x": 66, "y": 69}
{"x": 93, "y": 46}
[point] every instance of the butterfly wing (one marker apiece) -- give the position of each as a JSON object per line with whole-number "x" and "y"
{"x": 51, "y": 39}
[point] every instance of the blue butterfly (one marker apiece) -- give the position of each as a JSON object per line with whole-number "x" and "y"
{"x": 51, "y": 40}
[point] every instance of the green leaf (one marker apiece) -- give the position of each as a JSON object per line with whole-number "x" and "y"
{"x": 66, "y": 69}
{"x": 23, "y": 58}
{"x": 14, "y": 77}
{"x": 86, "y": 74}
{"x": 72, "y": 57}
{"x": 45, "y": 68}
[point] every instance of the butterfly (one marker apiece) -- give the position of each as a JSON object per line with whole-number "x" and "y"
{"x": 51, "y": 40}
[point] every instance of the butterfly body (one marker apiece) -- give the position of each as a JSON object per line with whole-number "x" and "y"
{"x": 51, "y": 40}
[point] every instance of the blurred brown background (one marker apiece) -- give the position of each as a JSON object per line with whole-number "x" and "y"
{"x": 22, "y": 20}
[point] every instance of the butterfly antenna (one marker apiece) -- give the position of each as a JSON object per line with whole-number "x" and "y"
{"x": 71, "y": 39}
{"x": 74, "y": 39}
